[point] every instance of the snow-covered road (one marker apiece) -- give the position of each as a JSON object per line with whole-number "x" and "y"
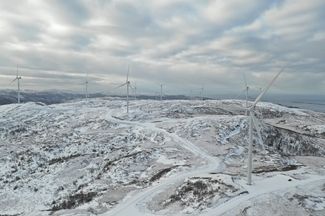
{"x": 134, "y": 203}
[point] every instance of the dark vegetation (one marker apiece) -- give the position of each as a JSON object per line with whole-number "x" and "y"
{"x": 200, "y": 189}
{"x": 272, "y": 168}
{"x": 73, "y": 201}
{"x": 162, "y": 172}
{"x": 63, "y": 159}
{"x": 290, "y": 143}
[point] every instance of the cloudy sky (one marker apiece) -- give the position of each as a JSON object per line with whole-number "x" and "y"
{"x": 184, "y": 44}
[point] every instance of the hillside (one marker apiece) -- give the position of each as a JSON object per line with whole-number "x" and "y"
{"x": 165, "y": 158}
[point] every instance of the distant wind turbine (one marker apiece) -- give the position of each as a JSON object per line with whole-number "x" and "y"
{"x": 128, "y": 85}
{"x": 253, "y": 123}
{"x": 135, "y": 90}
{"x": 18, "y": 78}
{"x": 161, "y": 92}
{"x": 86, "y": 86}
{"x": 201, "y": 92}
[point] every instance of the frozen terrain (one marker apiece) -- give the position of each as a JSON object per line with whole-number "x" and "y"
{"x": 165, "y": 158}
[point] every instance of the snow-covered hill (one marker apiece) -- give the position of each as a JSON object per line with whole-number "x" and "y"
{"x": 165, "y": 158}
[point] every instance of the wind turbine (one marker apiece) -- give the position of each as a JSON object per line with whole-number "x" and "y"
{"x": 128, "y": 85}
{"x": 18, "y": 78}
{"x": 253, "y": 123}
{"x": 246, "y": 90}
{"x": 86, "y": 85}
{"x": 161, "y": 92}
{"x": 134, "y": 87}
{"x": 201, "y": 92}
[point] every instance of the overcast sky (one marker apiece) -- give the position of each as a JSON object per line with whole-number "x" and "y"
{"x": 184, "y": 44}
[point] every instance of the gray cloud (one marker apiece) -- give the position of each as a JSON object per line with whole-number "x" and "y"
{"x": 183, "y": 44}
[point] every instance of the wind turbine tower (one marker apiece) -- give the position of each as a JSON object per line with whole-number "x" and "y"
{"x": 86, "y": 85}
{"x": 18, "y": 78}
{"x": 253, "y": 123}
{"x": 246, "y": 93}
{"x": 161, "y": 92}
{"x": 127, "y": 84}
{"x": 201, "y": 92}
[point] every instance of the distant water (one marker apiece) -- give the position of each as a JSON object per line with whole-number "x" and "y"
{"x": 318, "y": 106}
{"x": 310, "y": 102}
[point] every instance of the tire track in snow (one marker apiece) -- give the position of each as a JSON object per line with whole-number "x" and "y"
{"x": 134, "y": 203}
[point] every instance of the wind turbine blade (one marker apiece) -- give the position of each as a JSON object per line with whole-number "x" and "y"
{"x": 13, "y": 80}
{"x": 120, "y": 86}
{"x": 268, "y": 87}
{"x": 127, "y": 75}
{"x": 245, "y": 80}
{"x": 240, "y": 94}
{"x": 258, "y": 129}
{"x": 86, "y": 81}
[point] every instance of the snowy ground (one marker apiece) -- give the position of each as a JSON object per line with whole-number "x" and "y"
{"x": 165, "y": 158}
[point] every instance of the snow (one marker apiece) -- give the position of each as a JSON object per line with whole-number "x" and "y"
{"x": 277, "y": 108}
{"x": 260, "y": 187}
{"x": 90, "y": 158}
{"x": 164, "y": 160}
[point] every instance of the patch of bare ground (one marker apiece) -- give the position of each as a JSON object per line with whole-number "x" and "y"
{"x": 199, "y": 193}
{"x": 273, "y": 168}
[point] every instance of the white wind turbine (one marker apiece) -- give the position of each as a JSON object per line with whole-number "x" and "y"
{"x": 161, "y": 92}
{"x": 86, "y": 86}
{"x": 246, "y": 92}
{"x": 135, "y": 90}
{"x": 128, "y": 85}
{"x": 253, "y": 123}
{"x": 18, "y": 78}
{"x": 201, "y": 92}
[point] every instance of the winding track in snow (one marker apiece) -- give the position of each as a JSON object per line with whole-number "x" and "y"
{"x": 131, "y": 205}
{"x": 134, "y": 203}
